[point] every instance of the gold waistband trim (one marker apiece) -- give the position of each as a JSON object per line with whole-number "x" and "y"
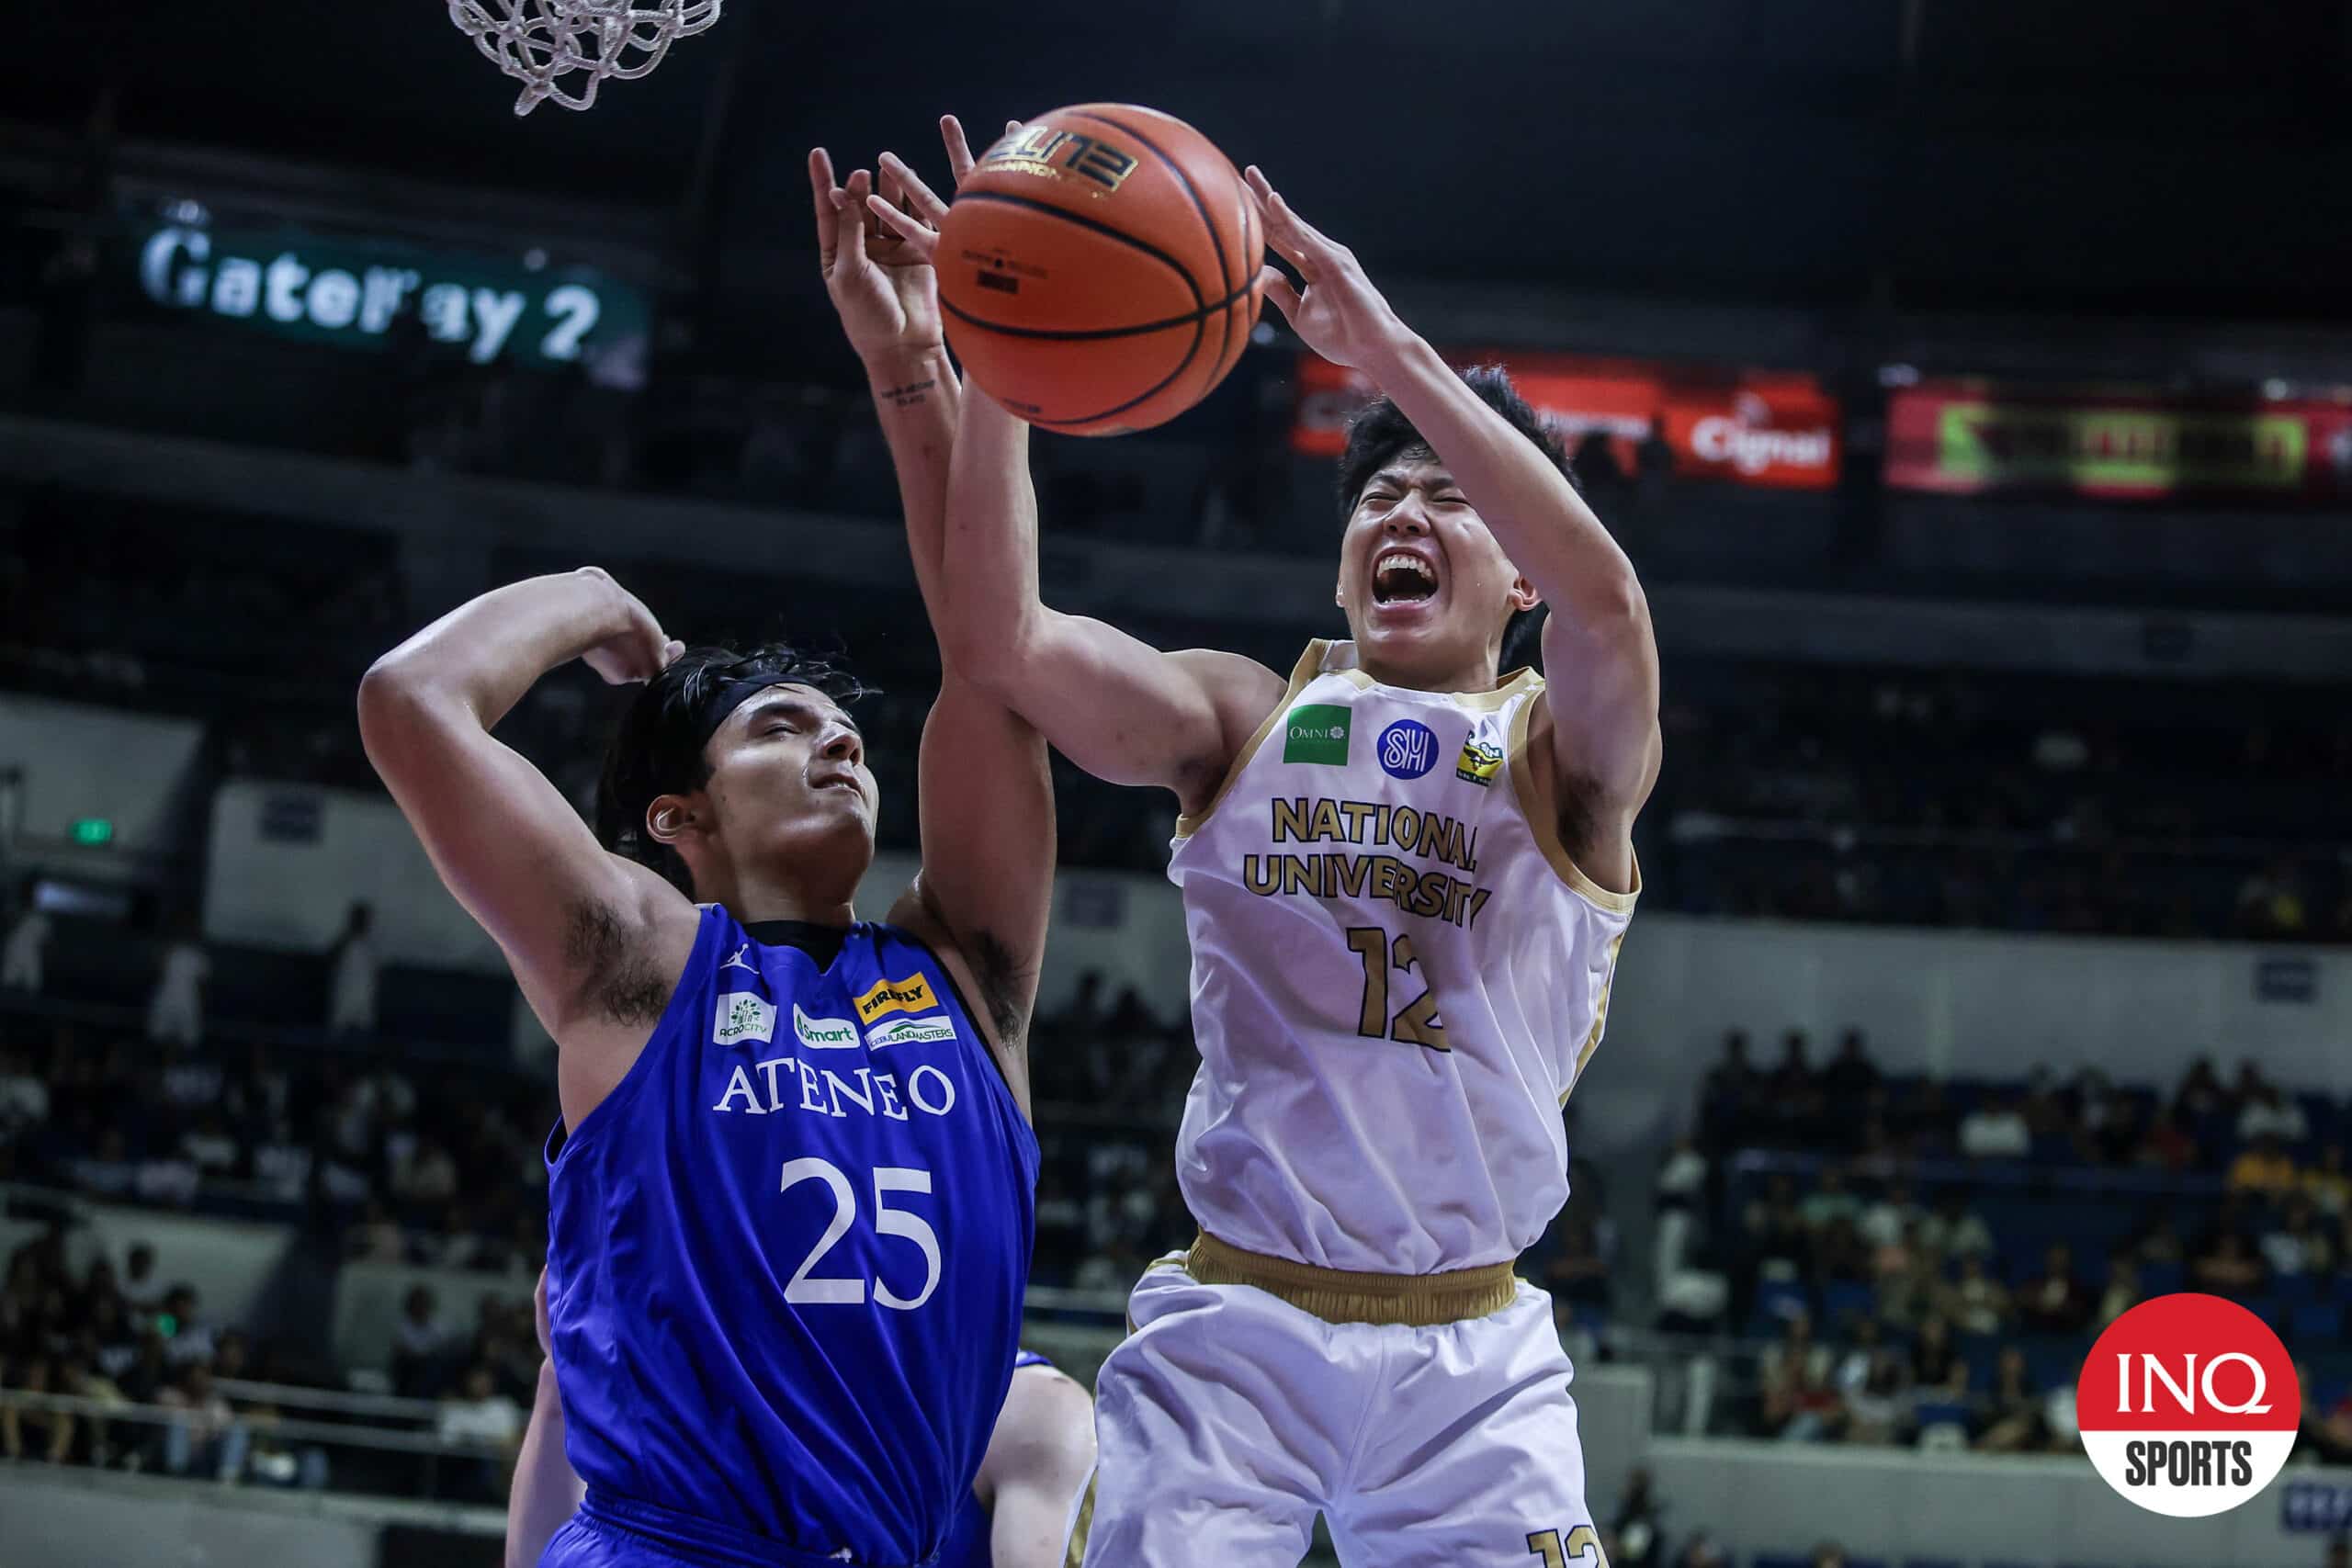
{"x": 1343, "y": 1295}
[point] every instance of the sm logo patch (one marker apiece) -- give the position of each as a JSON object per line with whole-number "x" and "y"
{"x": 1407, "y": 750}
{"x": 912, "y": 993}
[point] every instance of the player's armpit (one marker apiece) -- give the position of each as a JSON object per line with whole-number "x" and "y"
{"x": 1039, "y": 1457}
{"x": 1601, "y": 692}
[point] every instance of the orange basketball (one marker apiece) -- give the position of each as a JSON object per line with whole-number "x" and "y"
{"x": 1099, "y": 269}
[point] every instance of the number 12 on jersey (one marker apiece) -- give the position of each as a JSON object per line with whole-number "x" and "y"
{"x": 1417, "y": 1023}
{"x": 1557, "y": 1554}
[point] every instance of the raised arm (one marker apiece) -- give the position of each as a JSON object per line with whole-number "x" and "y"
{"x": 983, "y": 788}
{"x": 1119, "y": 708}
{"x": 1600, "y": 658}
{"x": 596, "y": 943}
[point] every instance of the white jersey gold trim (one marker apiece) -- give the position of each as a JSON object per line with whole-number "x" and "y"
{"x": 1397, "y": 973}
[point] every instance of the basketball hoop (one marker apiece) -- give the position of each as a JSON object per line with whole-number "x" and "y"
{"x": 540, "y": 43}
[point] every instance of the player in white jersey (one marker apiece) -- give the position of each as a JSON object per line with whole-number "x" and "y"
{"x": 1405, "y": 880}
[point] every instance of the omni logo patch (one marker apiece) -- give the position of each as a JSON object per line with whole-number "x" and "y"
{"x": 2189, "y": 1405}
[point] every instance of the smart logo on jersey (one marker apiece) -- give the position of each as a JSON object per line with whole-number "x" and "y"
{"x": 1408, "y": 749}
{"x": 2189, "y": 1405}
{"x": 911, "y": 995}
{"x": 1479, "y": 763}
{"x": 823, "y": 1033}
{"x": 909, "y": 1031}
{"x": 1316, "y": 732}
{"x": 743, "y": 1016}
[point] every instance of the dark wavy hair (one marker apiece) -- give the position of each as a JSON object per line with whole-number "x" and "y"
{"x": 658, "y": 748}
{"x": 1380, "y": 434}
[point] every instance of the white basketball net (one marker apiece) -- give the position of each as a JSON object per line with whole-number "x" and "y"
{"x": 542, "y": 42}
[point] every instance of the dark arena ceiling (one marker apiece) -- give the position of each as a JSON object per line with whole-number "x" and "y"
{"x": 2108, "y": 156}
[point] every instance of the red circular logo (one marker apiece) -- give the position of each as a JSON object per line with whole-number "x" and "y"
{"x": 2189, "y": 1405}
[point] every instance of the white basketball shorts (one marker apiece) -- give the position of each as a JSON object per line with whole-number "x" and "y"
{"x": 1229, "y": 1418}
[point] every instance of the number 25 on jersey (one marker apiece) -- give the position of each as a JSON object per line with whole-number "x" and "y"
{"x": 806, "y": 1288}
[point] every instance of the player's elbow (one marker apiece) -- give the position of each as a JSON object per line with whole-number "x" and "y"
{"x": 1000, "y": 657}
{"x": 398, "y": 702}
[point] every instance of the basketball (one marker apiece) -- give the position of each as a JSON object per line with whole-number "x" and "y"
{"x": 1099, "y": 269}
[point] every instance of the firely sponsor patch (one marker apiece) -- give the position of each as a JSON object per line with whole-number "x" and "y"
{"x": 912, "y": 993}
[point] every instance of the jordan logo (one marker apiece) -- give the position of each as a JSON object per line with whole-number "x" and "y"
{"x": 735, "y": 960}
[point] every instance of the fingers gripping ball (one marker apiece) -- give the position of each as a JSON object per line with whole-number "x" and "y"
{"x": 1099, "y": 269}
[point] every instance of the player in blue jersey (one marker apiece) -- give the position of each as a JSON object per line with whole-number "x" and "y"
{"x": 1016, "y": 1515}
{"x": 791, "y": 1199}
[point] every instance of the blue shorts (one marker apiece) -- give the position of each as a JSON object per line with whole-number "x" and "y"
{"x": 621, "y": 1532}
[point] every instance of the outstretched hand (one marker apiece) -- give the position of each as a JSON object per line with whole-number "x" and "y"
{"x": 876, "y": 235}
{"x": 1335, "y": 311}
{"x": 915, "y": 221}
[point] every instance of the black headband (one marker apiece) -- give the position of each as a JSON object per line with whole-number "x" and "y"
{"x": 723, "y": 700}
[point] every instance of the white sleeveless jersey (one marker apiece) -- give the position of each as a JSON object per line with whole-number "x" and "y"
{"x": 1397, "y": 974}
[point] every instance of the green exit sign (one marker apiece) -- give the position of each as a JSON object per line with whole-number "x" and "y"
{"x": 93, "y": 830}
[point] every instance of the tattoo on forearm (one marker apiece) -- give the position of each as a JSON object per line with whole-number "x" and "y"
{"x": 910, "y": 395}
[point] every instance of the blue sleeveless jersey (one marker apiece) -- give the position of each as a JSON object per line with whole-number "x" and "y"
{"x": 967, "y": 1539}
{"x": 788, "y": 1254}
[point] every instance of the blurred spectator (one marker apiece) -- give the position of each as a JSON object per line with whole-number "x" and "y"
{"x": 1576, "y": 1272}
{"x": 1933, "y": 1360}
{"x": 2018, "y": 1421}
{"x": 2122, "y": 1292}
{"x": 140, "y": 1287}
{"x": 2226, "y": 1269}
{"x": 1975, "y": 1303}
{"x": 351, "y": 1001}
{"x": 1874, "y": 1410}
{"x": 2055, "y": 1300}
{"x": 83, "y": 1381}
{"x": 2271, "y": 902}
{"x": 21, "y": 960}
{"x": 1682, "y": 1179}
{"x": 419, "y": 1343}
{"x": 2327, "y": 1184}
{"x": 1996, "y": 1132}
{"x": 1851, "y": 1074}
{"x": 2200, "y": 1093}
{"x": 24, "y": 1096}
{"x": 428, "y": 1176}
{"x": 1830, "y": 1203}
{"x": 1638, "y": 1524}
{"x": 1828, "y": 1555}
{"x": 187, "y": 1338}
{"x": 205, "y": 1436}
{"x": 2294, "y": 1245}
{"x": 2266, "y": 1167}
{"x": 2269, "y": 1114}
{"x": 1702, "y": 1551}
{"x": 175, "y": 1013}
{"x": 476, "y": 1413}
{"x": 26, "y": 1429}
{"x": 1955, "y": 1228}
{"x": 377, "y": 1238}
